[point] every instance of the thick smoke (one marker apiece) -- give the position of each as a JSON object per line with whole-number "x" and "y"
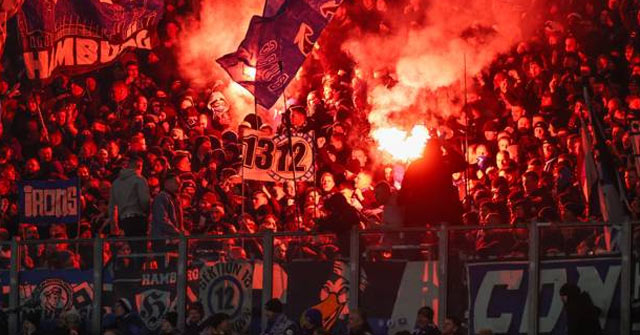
{"x": 427, "y": 59}
{"x": 218, "y": 31}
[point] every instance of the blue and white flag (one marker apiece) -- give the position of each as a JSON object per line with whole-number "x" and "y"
{"x": 81, "y": 36}
{"x": 275, "y": 47}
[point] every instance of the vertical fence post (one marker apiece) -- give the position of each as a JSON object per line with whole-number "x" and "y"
{"x": 534, "y": 278}
{"x": 267, "y": 274}
{"x": 14, "y": 283}
{"x": 96, "y": 315}
{"x": 625, "y": 277}
{"x": 181, "y": 304}
{"x": 354, "y": 269}
{"x": 443, "y": 262}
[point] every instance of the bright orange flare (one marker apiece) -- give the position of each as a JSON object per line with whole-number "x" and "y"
{"x": 249, "y": 72}
{"x": 401, "y": 145}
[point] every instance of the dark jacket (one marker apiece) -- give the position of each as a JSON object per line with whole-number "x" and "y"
{"x": 166, "y": 217}
{"x": 342, "y": 216}
{"x": 427, "y": 193}
{"x": 131, "y": 324}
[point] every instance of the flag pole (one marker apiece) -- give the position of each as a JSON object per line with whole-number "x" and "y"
{"x": 287, "y": 121}
{"x": 466, "y": 132}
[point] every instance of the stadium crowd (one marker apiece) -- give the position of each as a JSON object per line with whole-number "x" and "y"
{"x": 157, "y": 157}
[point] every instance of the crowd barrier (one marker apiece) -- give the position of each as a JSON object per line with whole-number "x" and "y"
{"x": 389, "y": 273}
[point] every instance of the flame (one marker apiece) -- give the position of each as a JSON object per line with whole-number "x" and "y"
{"x": 249, "y": 72}
{"x": 401, "y": 145}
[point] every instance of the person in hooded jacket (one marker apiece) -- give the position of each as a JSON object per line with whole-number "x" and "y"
{"x": 129, "y": 201}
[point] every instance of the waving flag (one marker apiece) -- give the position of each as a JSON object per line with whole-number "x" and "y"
{"x": 275, "y": 47}
{"x": 271, "y": 7}
{"x": 81, "y": 36}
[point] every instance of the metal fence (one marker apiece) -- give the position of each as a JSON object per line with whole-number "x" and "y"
{"x": 434, "y": 244}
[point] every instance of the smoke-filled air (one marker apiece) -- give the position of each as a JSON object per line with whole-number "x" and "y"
{"x": 217, "y": 30}
{"x": 427, "y": 61}
{"x": 415, "y": 76}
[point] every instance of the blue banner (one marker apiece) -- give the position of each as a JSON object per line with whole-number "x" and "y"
{"x": 80, "y": 36}
{"x": 48, "y": 202}
{"x": 53, "y": 292}
{"x": 275, "y": 47}
{"x": 498, "y": 294}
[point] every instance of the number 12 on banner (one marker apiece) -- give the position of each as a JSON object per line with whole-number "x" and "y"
{"x": 270, "y": 159}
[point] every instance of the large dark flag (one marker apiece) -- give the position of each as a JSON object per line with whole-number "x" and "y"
{"x": 81, "y": 36}
{"x": 271, "y": 7}
{"x": 275, "y": 47}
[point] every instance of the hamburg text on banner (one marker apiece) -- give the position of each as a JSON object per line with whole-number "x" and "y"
{"x": 77, "y": 37}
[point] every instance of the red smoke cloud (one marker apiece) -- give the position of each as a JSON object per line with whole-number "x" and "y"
{"x": 219, "y": 31}
{"x": 427, "y": 59}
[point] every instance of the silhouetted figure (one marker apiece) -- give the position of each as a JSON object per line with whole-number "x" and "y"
{"x": 428, "y": 195}
{"x": 341, "y": 217}
{"x": 582, "y": 314}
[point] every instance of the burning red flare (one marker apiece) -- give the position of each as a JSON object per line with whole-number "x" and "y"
{"x": 402, "y": 145}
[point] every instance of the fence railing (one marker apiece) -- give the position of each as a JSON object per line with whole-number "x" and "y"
{"x": 356, "y": 250}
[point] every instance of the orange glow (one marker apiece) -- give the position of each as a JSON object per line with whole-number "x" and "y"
{"x": 401, "y": 145}
{"x": 249, "y": 72}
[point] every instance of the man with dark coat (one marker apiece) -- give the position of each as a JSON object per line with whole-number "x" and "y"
{"x": 166, "y": 218}
{"x": 428, "y": 195}
{"x": 341, "y": 217}
{"x": 582, "y": 315}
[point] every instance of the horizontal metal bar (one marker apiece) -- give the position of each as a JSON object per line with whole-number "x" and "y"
{"x": 377, "y": 230}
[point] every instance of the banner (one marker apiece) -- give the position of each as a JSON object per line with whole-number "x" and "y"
{"x": 153, "y": 292}
{"x": 53, "y": 292}
{"x": 227, "y": 288}
{"x": 499, "y": 294}
{"x": 48, "y": 202}
{"x": 275, "y": 47}
{"x": 391, "y": 292}
{"x": 269, "y": 158}
{"x": 81, "y": 36}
